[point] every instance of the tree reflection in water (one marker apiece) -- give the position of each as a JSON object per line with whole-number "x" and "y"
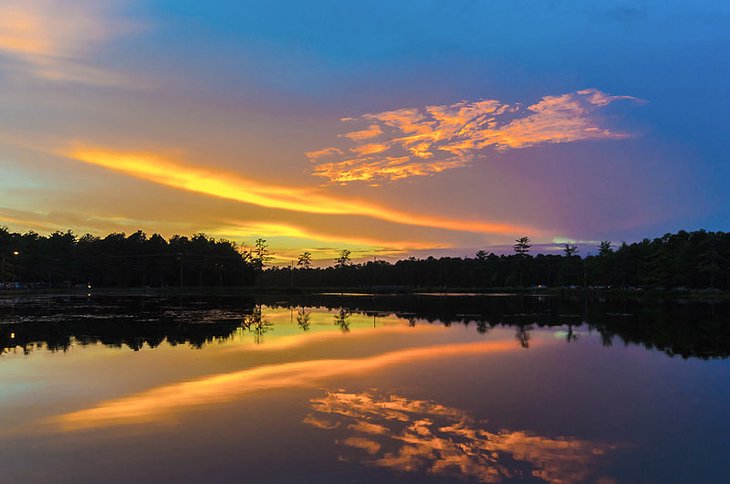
{"x": 303, "y": 318}
{"x": 59, "y": 322}
{"x": 522, "y": 334}
{"x": 423, "y": 436}
{"x": 257, "y": 324}
{"x": 342, "y": 320}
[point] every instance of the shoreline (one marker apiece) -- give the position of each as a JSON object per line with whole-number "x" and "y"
{"x": 633, "y": 293}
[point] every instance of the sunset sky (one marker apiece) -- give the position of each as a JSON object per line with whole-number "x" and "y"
{"x": 390, "y": 128}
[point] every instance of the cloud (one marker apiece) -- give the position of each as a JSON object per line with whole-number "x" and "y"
{"x": 53, "y": 39}
{"x": 64, "y": 219}
{"x": 166, "y": 171}
{"x": 356, "y": 241}
{"x": 370, "y": 132}
{"x": 424, "y": 141}
{"x": 316, "y": 155}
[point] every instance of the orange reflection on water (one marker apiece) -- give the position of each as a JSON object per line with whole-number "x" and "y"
{"x": 423, "y": 436}
{"x": 162, "y": 403}
{"x": 291, "y": 341}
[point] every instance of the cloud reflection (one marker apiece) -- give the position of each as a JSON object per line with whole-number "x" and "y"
{"x": 423, "y": 436}
{"x": 162, "y": 403}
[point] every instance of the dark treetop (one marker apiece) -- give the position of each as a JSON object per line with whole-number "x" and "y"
{"x": 692, "y": 260}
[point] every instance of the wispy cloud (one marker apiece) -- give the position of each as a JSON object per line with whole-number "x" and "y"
{"x": 423, "y": 141}
{"x": 287, "y": 239}
{"x": 97, "y": 223}
{"x": 53, "y": 40}
{"x": 168, "y": 171}
{"x": 371, "y": 245}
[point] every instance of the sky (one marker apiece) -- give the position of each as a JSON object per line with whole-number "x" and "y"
{"x": 388, "y": 128}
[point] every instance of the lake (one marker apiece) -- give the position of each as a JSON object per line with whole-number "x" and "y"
{"x": 150, "y": 387}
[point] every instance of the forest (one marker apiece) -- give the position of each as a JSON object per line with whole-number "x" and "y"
{"x": 62, "y": 259}
{"x": 679, "y": 261}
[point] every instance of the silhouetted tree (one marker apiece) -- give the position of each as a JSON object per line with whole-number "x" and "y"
{"x": 604, "y": 248}
{"x": 570, "y": 250}
{"x": 522, "y": 246}
{"x": 343, "y": 260}
{"x": 261, "y": 255}
{"x": 305, "y": 260}
{"x": 522, "y": 249}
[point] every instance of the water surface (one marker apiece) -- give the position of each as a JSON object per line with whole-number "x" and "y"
{"x": 338, "y": 388}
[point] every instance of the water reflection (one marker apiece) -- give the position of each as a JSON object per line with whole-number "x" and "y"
{"x": 342, "y": 320}
{"x": 522, "y": 334}
{"x": 257, "y": 324}
{"x": 556, "y": 410}
{"x": 303, "y": 318}
{"x": 163, "y": 404}
{"x": 63, "y": 336}
{"x": 62, "y": 321}
{"x": 406, "y": 435}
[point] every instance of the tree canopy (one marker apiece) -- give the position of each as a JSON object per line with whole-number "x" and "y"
{"x": 690, "y": 260}
{"x": 121, "y": 260}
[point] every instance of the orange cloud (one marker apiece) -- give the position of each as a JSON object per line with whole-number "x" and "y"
{"x": 423, "y": 436}
{"x": 323, "y": 153}
{"x": 50, "y": 39}
{"x": 391, "y": 168}
{"x": 252, "y": 230}
{"x": 418, "y": 142}
{"x": 370, "y": 132}
{"x": 162, "y": 170}
{"x": 369, "y": 149}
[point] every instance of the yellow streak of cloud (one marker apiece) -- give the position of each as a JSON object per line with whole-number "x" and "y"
{"x": 155, "y": 168}
{"x": 266, "y": 229}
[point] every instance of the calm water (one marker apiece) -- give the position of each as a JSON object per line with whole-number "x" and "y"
{"x": 135, "y": 387}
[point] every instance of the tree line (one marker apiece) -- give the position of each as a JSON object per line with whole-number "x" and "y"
{"x": 691, "y": 260}
{"x": 118, "y": 260}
